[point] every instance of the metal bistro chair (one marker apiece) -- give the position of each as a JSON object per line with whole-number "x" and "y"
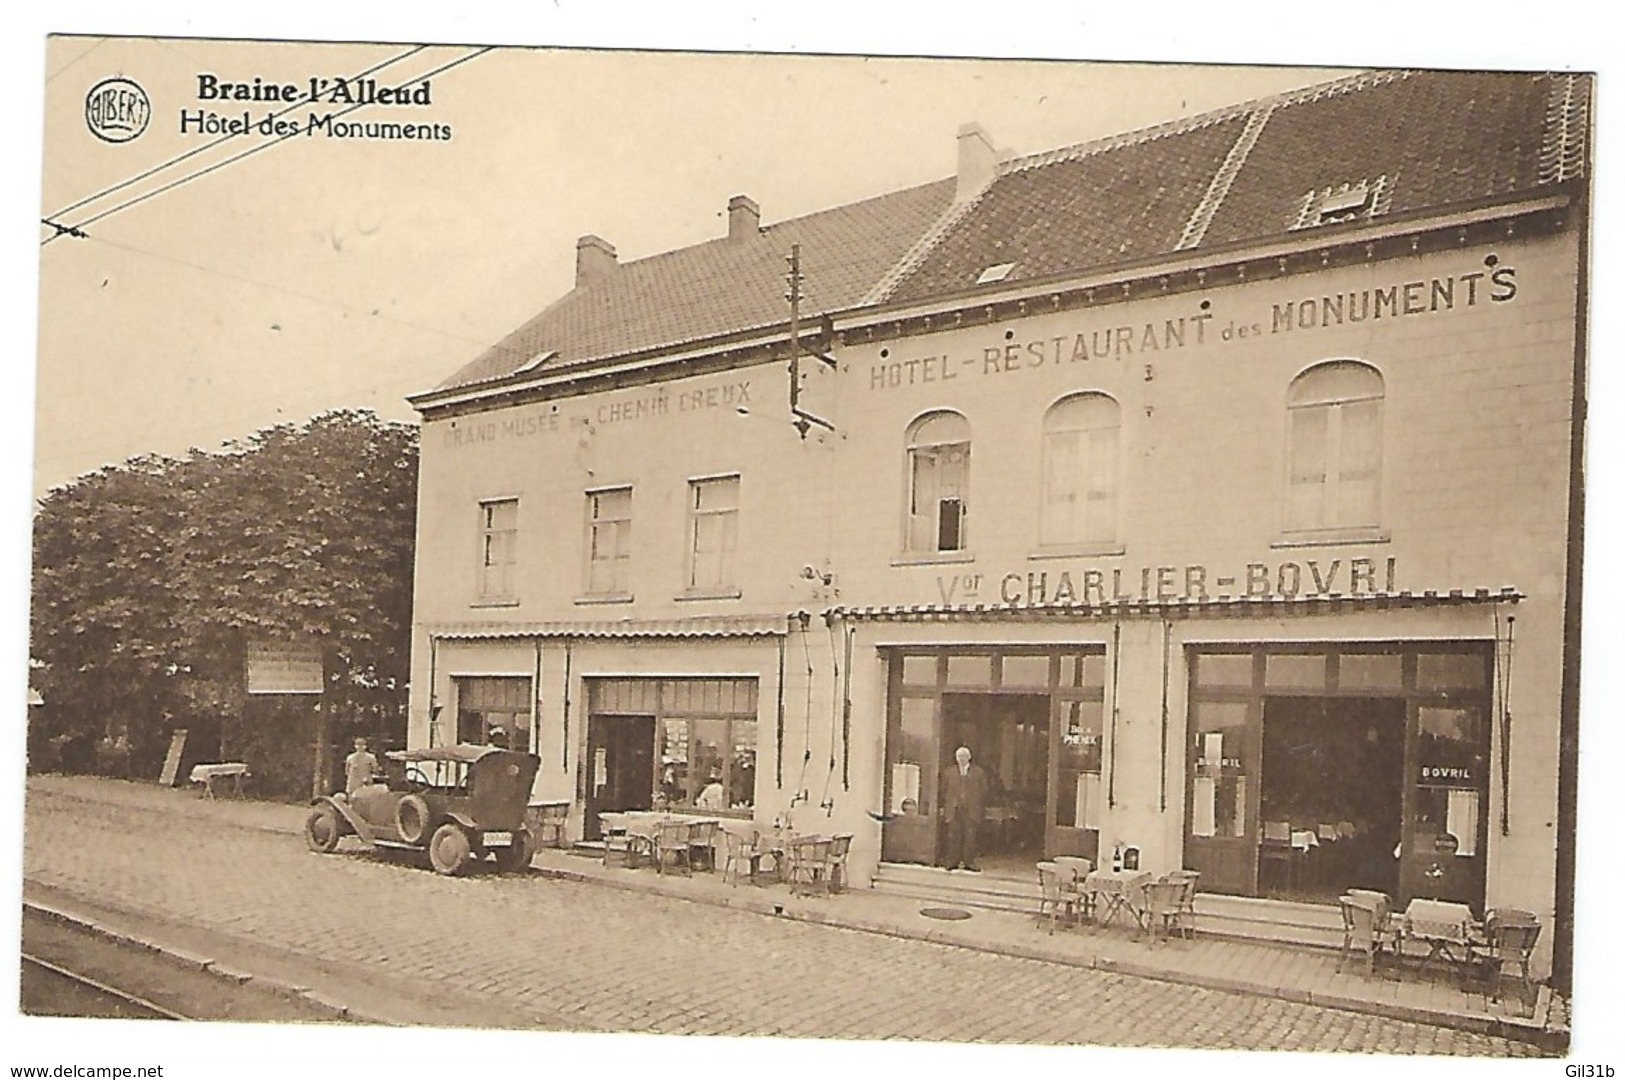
{"x": 1054, "y": 901}
{"x": 1185, "y": 917}
{"x": 1367, "y": 928}
{"x": 702, "y": 844}
{"x": 1275, "y": 849}
{"x": 840, "y": 845}
{"x": 1163, "y": 900}
{"x": 1510, "y": 936}
{"x": 810, "y": 865}
{"x": 619, "y": 844}
{"x": 738, "y": 850}
{"x": 671, "y": 846}
{"x": 1073, "y": 870}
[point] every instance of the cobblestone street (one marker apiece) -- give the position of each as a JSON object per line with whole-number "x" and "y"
{"x": 579, "y": 955}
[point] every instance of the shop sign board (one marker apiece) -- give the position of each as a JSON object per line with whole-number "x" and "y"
{"x": 280, "y": 668}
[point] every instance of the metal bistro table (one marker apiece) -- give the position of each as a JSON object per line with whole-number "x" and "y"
{"x": 1116, "y": 891}
{"x": 1445, "y": 928}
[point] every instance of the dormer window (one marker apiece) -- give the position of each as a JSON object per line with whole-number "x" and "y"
{"x": 1349, "y": 201}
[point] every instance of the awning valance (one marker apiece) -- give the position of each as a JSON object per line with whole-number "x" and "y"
{"x": 705, "y": 626}
{"x": 1254, "y": 606}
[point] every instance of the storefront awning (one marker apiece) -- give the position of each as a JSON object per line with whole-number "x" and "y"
{"x": 1268, "y": 606}
{"x": 714, "y": 626}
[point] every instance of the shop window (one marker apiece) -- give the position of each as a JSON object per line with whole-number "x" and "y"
{"x": 919, "y": 671}
{"x": 1219, "y": 770}
{"x": 486, "y": 705}
{"x": 1024, "y": 671}
{"x": 938, "y": 476}
{"x": 499, "y": 543}
{"x": 708, "y": 760}
{"x": 1371, "y": 671}
{"x": 1086, "y": 670}
{"x": 1450, "y": 671}
{"x": 1294, "y": 671}
{"x": 970, "y": 671}
{"x": 1080, "y": 800}
{"x": 1080, "y": 471}
{"x": 912, "y": 763}
{"x": 609, "y": 542}
{"x": 713, "y": 532}
{"x": 1224, "y": 669}
{"x": 1334, "y": 453}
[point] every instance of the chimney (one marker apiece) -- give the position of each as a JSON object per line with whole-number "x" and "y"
{"x": 744, "y": 218}
{"x": 595, "y": 259}
{"x": 977, "y": 161}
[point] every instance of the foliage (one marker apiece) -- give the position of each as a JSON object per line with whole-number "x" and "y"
{"x": 150, "y": 578}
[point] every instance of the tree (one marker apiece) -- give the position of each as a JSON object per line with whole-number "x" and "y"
{"x": 151, "y": 577}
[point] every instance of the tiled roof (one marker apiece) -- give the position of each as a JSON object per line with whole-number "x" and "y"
{"x": 1418, "y": 140}
{"x": 721, "y": 286}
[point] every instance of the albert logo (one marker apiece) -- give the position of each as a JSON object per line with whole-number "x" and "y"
{"x": 117, "y": 110}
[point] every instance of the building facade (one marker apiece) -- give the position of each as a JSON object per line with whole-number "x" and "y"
{"x": 1215, "y": 484}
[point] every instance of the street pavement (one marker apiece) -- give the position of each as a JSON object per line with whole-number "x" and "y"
{"x": 582, "y": 955}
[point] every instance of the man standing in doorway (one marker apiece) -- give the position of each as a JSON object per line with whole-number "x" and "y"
{"x": 964, "y": 802}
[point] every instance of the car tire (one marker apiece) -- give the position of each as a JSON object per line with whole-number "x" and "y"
{"x": 515, "y": 858}
{"x": 322, "y": 830}
{"x": 412, "y": 819}
{"x": 449, "y": 850}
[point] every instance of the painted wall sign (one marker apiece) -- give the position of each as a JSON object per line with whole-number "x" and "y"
{"x": 650, "y": 405}
{"x": 1094, "y": 340}
{"x": 1192, "y": 581}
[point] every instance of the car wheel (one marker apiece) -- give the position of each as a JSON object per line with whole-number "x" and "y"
{"x": 449, "y": 850}
{"x": 516, "y": 856}
{"x": 412, "y": 819}
{"x": 322, "y": 830}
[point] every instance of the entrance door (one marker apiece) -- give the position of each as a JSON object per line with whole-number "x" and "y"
{"x": 1008, "y": 735}
{"x": 910, "y": 832}
{"x": 1330, "y": 803}
{"x": 620, "y": 764}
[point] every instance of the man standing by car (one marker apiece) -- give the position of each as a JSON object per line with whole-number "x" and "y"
{"x": 359, "y": 768}
{"x": 964, "y": 802}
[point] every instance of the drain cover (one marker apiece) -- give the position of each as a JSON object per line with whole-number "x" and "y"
{"x": 949, "y": 913}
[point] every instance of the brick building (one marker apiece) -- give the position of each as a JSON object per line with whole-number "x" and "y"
{"x": 1217, "y": 484}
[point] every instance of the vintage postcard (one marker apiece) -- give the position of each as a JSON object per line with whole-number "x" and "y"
{"x": 864, "y": 549}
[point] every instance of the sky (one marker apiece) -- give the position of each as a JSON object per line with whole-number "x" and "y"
{"x": 324, "y": 273}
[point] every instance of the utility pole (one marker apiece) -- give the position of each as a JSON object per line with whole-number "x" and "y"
{"x": 793, "y": 278}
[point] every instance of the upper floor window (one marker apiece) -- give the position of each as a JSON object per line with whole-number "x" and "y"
{"x": 499, "y": 545}
{"x": 713, "y": 533}
{"x": 938, "y": 475}
{"x": 609, "y": 542}
{"x": 1334, "y": 451}
{"x": 1080, "y": 471}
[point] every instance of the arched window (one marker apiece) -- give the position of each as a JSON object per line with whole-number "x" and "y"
{"x": 1080, "y": 471}
{"x": 1334, "y": 451}
{"x": 938, "y": 471}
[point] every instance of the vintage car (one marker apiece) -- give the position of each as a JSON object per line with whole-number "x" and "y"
{"x": 459, "y": 803}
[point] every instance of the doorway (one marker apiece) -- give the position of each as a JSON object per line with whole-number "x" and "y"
{"x": 620, "y": 764}
{"x": 1008, "y": 735}
{"x": 1331, "y": 800}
